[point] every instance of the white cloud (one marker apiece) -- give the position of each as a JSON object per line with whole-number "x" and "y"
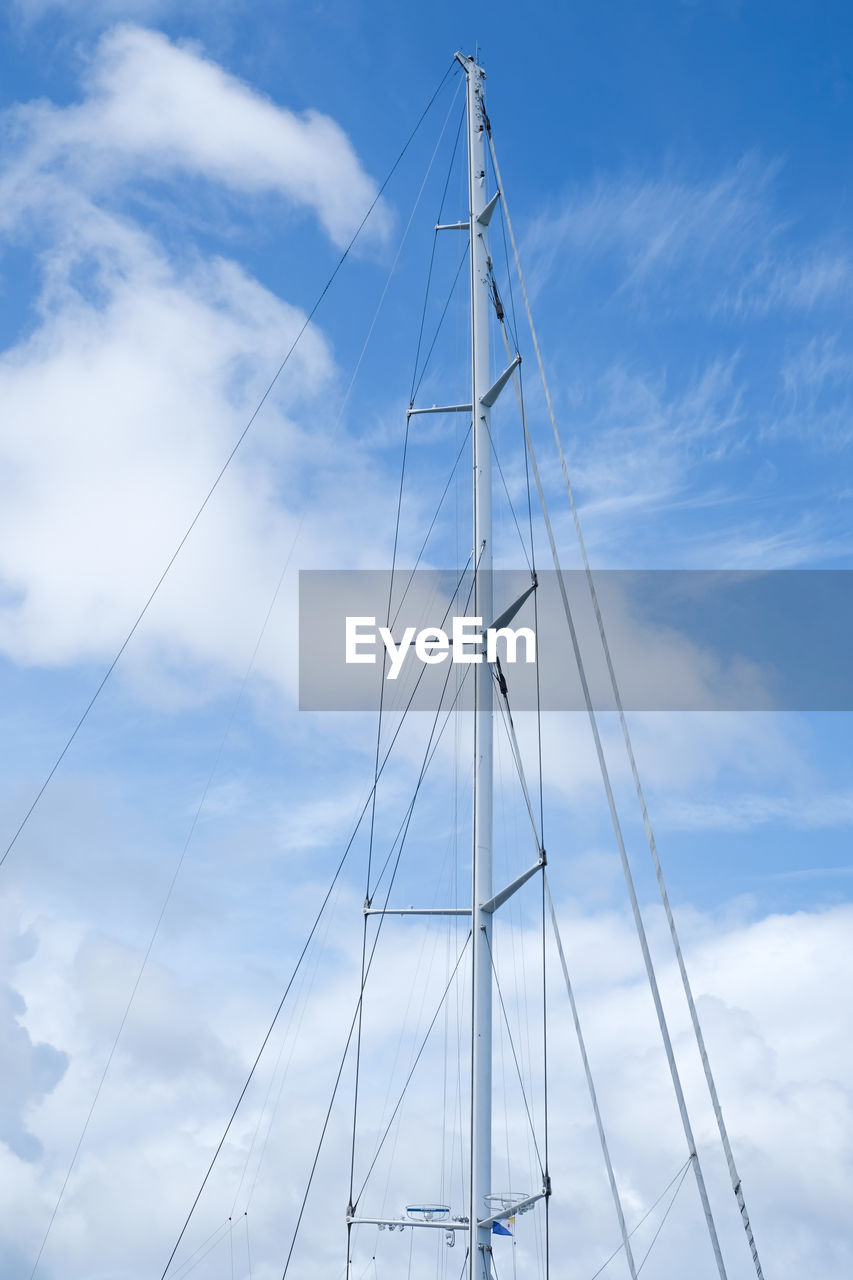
{"x": 818, "y": 363}
{"x": 777, "y": 542}
{"x": 720, "y": 241}
{"x": 779, "y": 1041}
{"x": 817, "y": 405}
{"x": 638, "y": 445}
{"x": 153, "y": 108}
{"x": 123, "y": 414}
{"x": 795, "y": 281}
{"x": 125, "y": 399}
{"x": 31, "y": 1069}
{"x": 746, "y": 812}
{"x": 657, "y": 228}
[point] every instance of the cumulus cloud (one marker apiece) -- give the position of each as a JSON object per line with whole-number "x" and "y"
{"x": 124, "y": 412}
{"x": 773, "y": 1081}
{"x": 126, "y": 396}
{"x": 31, "y": 1069}
{"x": 154, "y": 109}
{"x": 767, "y": 993}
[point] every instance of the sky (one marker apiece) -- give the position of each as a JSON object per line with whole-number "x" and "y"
{"x": 178, "y": 185}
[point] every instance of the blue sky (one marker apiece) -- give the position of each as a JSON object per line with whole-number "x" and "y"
{"x": 178, "y": 182}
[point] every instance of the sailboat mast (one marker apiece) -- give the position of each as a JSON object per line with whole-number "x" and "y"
{"x": 481, "y": 1030}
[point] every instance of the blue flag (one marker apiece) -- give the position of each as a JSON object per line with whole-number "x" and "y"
{"x": 499, "y": 1229}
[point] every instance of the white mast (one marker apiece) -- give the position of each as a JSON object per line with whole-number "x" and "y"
{"x": 481, "y": 921}
{"x": 483, "y": 1211}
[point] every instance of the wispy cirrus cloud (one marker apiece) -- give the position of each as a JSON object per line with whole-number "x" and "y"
{"x": 639, "y": 442}
{"x": 655, "y": 229}
{"x": 807, "y": 812}
{"x": 816, "y": 401}
{"x": 722, "y": 242}
{"x": 794, "y": 280}
{"x": 637, "y": 256}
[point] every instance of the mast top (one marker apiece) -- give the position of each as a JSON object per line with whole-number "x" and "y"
{"x": 469, "y": 63}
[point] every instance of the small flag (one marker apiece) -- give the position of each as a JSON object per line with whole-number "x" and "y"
{"x": 499, "y": 1229}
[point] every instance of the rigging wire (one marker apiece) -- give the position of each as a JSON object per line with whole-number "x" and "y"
{"x": 275, "y": 1106}
{"x": 590, "y": 1084}
{"x": 652, "y": 843}
{"x": 509, "y": 1163}
{"x": 509, "y": 834}
{"x": 373, "y": 807}
{"x": 629, "y": 881}
{"x": 519, "y": 382}
{"x": 371, "y": 893}
{"x": 391, "y": 587}
{"x": 445, "y": 1162}
{"x": 420, "y": 554}
{"x": 393, "y": 567}
{"x": 248, "y": 1249}
{"x": 264, "y": 1043}
{"x": 431, "y": 749}
{"x": 545, "y": 1090}
{"x": 233, "y": 714}
{"x": 450, "y": 294}
{"x": 680, "y": 1174}
{"x": 428, "y": 533}
{"x": 192, "y": 1262}
{"x": 430, "y": 752}
{"x": 623, "y": 856}
{"x": 245, "y": 431}
{"x": 408, "y": 1080}
{"x": 396, "y": 544}
{"x": 516, "y": 753}
{"x": 232, "y": 717}
{"x": 193, "y": 1258}
{"x": 662, "y": 1221}
{"x": 434, "y": 243}
{"x": 293, "y": 1029}
{"x": 514, "y": 327}
{"x": 411, "y": 1251}
{"x": 453, "y": 924}
{"x": 514, "y": 1056}
{"x": 506, "y": 716}
{"x": 403, "y": 239}
{"x": 508, "y": 498}
{"x": 293, "y": 975}
{"x": 166, "y": 900}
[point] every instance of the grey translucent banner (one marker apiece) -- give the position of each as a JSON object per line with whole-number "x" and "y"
{"x": 680, "y": 640}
